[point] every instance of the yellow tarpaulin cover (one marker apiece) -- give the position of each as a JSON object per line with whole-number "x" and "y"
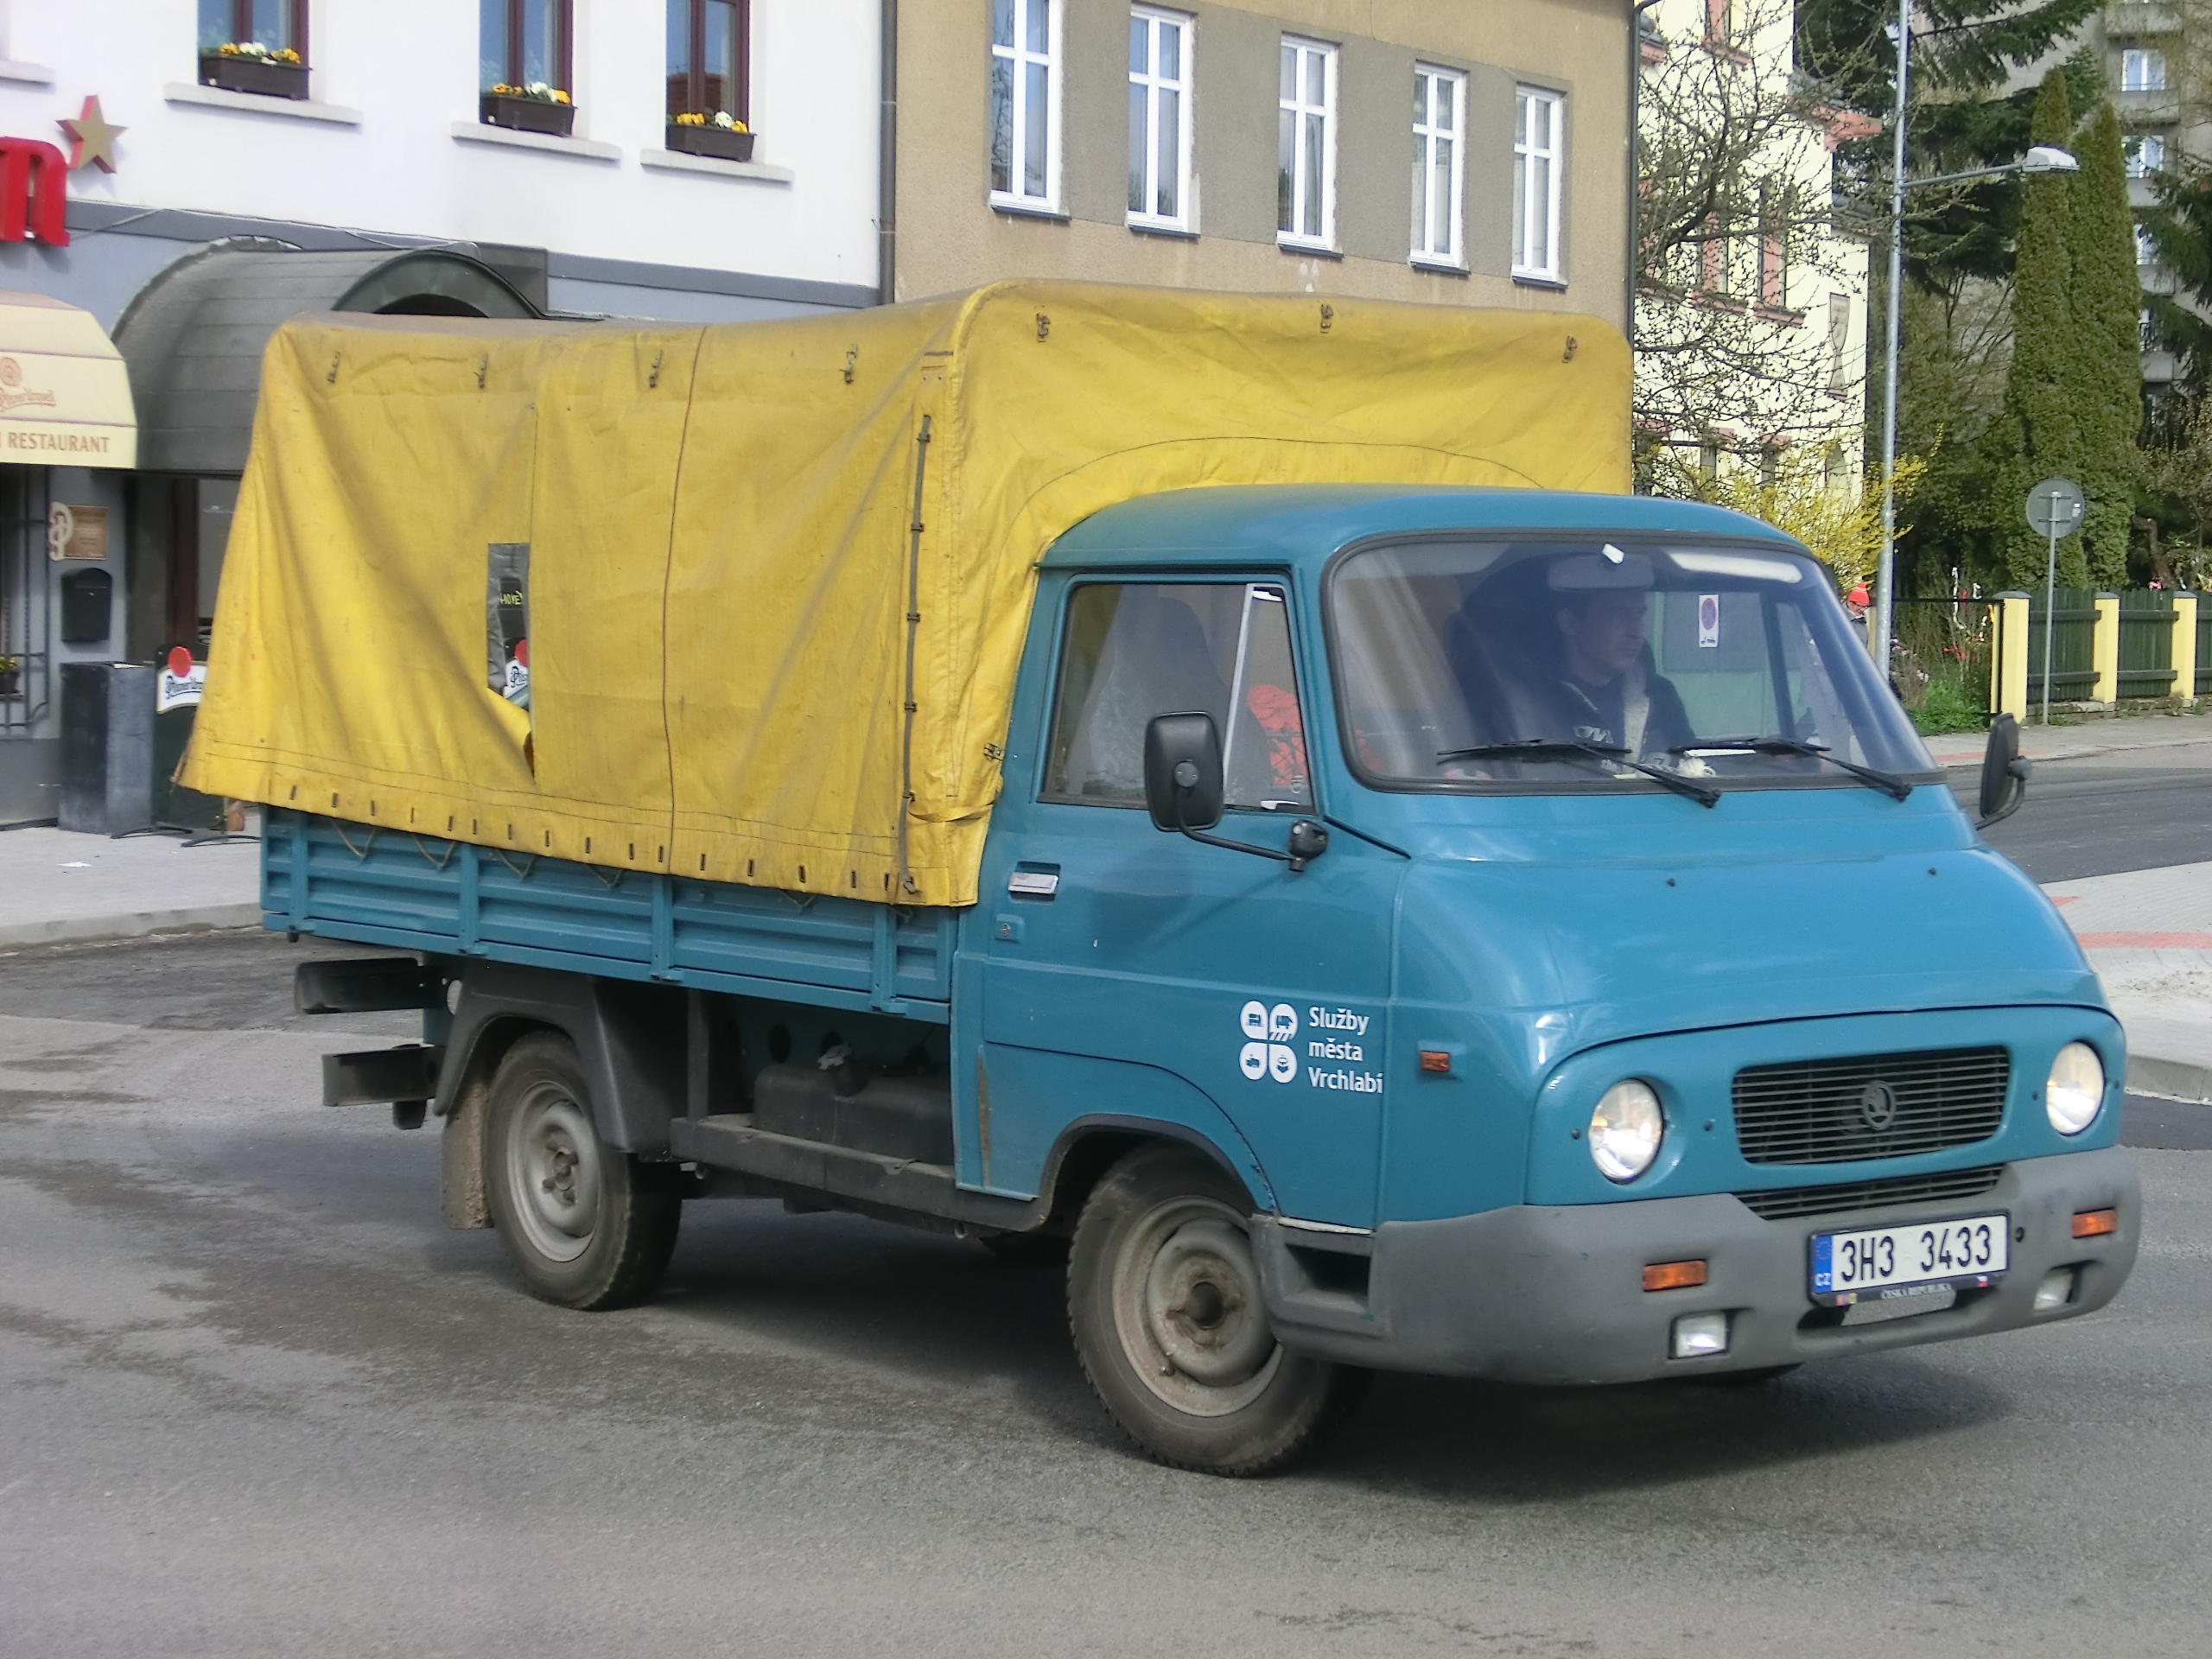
{"x": 717, "y": 526}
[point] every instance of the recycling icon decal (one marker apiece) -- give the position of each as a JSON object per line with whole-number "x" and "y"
{"x": 1268, "y": 1052}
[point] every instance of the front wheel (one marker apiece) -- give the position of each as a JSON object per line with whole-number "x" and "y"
{"x": 1164, "y": 1302}
{"x": 586, "y": 1226}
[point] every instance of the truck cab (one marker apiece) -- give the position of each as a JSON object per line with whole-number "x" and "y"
{"x": 1646, "y": 936}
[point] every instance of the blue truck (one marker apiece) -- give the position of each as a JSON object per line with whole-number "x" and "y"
{"x": 1485, "y": 933}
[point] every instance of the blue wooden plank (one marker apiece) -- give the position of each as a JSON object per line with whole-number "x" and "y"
{"x": 446, "y": 897}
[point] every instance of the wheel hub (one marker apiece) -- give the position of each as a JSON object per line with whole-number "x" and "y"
{"x": 553, "y": 1164}
{"x": 1188, "y": 1308}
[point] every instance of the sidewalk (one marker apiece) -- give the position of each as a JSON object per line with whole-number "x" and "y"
{"x": 2122, "y": 734}
{"x": 2148, "y": 933}
{"x": 56, "y": 886}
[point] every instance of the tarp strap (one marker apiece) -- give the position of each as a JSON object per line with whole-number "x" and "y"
{"x": 907, "y": 883}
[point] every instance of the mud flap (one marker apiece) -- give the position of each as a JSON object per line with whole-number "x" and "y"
{"x": 461, "y": 1197}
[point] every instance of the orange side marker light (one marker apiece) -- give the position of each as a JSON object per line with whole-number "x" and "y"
{"x": 2095, "y": 1223}
{"x": 1435, "y": 1059}
{"x": 1674, "y": 1275}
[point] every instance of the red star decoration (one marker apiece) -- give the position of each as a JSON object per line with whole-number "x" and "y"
{"x": 91, "y": 138}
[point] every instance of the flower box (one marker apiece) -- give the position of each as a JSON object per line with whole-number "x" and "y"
{"x": 259, "y": 76}
{"x": 10, "y": 682}
{"x": 525, "y": 114}
{"x": 711, "y": 140}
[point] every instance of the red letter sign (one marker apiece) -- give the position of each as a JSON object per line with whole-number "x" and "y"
{"x": 33, "y": 203}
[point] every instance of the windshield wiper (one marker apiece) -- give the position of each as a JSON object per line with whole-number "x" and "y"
{"x": 1536, "y": 748}
{"x": 1891, "y": 784}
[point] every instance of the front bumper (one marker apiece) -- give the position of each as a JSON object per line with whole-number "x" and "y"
{"x": 1555, "y": 1294}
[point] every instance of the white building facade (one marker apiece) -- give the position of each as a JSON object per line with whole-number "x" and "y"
{"x": 1772, "y": 286}
{"x": 219, "y": 164}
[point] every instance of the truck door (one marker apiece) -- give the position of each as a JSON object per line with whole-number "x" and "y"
{"x": 1185, "y": 969}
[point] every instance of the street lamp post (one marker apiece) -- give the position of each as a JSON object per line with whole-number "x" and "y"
{"x": 2042, "y": 158}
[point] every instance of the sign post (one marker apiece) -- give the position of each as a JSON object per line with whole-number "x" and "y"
{"x": 2054, "y": 508}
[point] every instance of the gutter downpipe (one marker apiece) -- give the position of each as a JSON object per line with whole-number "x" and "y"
{"x": 1635, "y": 183}
{"x": 886, "y": 166}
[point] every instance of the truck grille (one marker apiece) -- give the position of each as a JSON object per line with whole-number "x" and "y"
{"x": 1869, "y": 1105}
{"x": 1781, "y": 1202}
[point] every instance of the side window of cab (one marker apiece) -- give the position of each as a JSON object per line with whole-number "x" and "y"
{"x": 1131, "y": 651}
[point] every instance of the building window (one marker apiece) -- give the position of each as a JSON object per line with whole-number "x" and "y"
{"x": 1025, "y": 104}
{"x": 2146, "y": 329}
{"x": 1305, "y": 150}
{"x": 524, "y": 44}
{"x": 1439, "y": 117}
{"x": 278, "y": 25}
{"x": 2146, "y": 251}
{"x": 1537, "y": 141}
{"x": 1160, "y": 119}
{"x": 709, "y": 54}
{"x": 1720, "y": 22}
{"x": 2142, "y": 71}
{"x": 1775, "y": 202}
{"x": 2147, "y": 154}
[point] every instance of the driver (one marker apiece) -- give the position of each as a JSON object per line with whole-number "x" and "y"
{"x": 1600, "y": 684}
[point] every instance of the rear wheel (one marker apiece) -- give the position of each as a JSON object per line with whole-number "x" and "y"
{"x": 1164, "y": 1302}
{"x": 585, "y": 1225}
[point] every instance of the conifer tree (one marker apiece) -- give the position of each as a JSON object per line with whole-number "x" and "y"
{"x": 2037, "y": 436}
{"x": 2105, "y": 344}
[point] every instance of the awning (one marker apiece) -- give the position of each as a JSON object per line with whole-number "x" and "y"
{"x": 192, "y": 336}
{"x": 64, "y": 396}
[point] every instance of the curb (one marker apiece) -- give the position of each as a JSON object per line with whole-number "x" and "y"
{"x": 80, "y": 930}
{"x": 2169, "y": 1079}
{"x": 2179, "y": 740}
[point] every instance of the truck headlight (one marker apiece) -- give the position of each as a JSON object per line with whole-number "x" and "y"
{"x": 1624, "y": 1130}
{"x": 2076, "y": 1089}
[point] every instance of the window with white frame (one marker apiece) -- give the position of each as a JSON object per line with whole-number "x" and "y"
{"x": 2142, "y": 71}
{"x": 1538, "y": 117}
{"x": 1025, "y": 104}
{"x": 1160, "y": 119}
{"x": 2146, "y": 250}
{"x": 2147, "y": 154}
{"x": 1439, "y": 117}
{"x": 1305, "y": 153}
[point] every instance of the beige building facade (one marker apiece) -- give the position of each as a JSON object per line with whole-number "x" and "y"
{"x": 1447, "y": 152}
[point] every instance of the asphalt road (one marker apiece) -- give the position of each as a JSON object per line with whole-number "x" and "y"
{"x": 254, "y": 1400}
{"x": 2100, "y": 816}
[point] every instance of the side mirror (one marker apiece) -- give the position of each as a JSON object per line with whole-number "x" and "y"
{"x": 2004, "y": 773}
{"x": 1183, "y": 786}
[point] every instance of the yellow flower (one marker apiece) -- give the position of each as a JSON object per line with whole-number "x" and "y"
{"x": 286, "y": 55}
{"x": 560, "y": 97}
{"x": 228, "y": 49}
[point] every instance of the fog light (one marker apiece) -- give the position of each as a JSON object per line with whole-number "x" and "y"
{"x": 2056, "y": 1290}
{"x": 1699, "y": 1335}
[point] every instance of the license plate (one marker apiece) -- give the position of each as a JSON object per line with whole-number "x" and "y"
{"x": 1881, "y": 1263}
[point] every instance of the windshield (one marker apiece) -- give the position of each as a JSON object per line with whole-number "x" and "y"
{"x": 1588, "y": 664}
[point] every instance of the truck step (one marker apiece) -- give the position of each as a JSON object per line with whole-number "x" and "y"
{"x": 371, "y": 1076}
{"x": 868, "y": 1181}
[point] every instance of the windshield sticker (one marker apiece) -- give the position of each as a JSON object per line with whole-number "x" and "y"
{"x": 1335, "y": 1047}
{"x": 1708, "y": 618}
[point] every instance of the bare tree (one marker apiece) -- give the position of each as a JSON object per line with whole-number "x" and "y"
{"x": 1740, "y": 343}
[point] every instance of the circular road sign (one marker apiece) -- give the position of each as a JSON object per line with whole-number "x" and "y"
{"x": 2055, "y": 501}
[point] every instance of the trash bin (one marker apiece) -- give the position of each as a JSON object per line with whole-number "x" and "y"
{"x": 119, "y": 750}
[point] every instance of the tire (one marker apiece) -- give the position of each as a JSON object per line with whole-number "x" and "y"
{"x": 1163, "y": 1303}
{"x": 586, "y": 1226}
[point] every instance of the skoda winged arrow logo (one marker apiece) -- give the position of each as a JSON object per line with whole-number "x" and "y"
{"x": 1877, "y": 1107}
{"x": 1268, "y": 1055}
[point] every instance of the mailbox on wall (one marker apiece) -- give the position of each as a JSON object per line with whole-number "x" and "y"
{"x": 86, "y": 605}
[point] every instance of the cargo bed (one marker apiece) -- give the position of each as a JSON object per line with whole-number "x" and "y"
{"x": 343, "y": 880}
